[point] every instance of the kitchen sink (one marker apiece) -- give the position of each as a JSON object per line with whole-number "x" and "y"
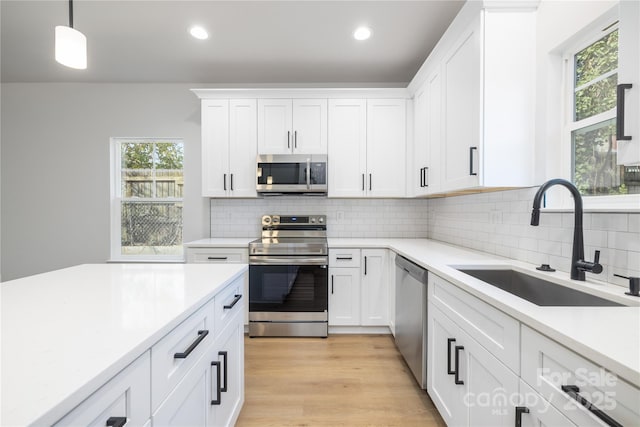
{"x": 537, "y": 291}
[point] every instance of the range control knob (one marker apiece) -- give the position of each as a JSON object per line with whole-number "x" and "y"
{"x": 313, "y": 220}
{"x": 320, "y": 220}
{"x": 266, "y": 220}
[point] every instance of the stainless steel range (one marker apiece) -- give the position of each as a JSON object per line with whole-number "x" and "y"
{"x": 288, "y": 277}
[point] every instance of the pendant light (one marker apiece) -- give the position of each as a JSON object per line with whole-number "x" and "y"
{"x": 71, "y": 44}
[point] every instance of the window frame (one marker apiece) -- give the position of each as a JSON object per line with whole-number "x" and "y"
{"x": 562, "y": 200}
{"x": 117, "y": 198}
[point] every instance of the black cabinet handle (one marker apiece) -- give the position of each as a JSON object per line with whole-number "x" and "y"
{"x": 295, "y": 139}
{"x": 573, "y": 390}
{"x": 457, "y": 379}
{"x": 231, "y": 182}
{"x": 224, "y": 182}
{"x": 344, "y": 258}
{"x": 116, "y": 421}
{"x": 288, "y": 139}
{"x": 421, "y": 177}
{"x": 217, "y": 257}
{"x": 519, "y": 411}
{"x": 236, "y": 298}
{"x": 218, "y": 398}
{"x": 362, "y": 182}
{"x": 332, "y": 284}
{"x": 620, "y": 136}
{"x": 225, "y": 360}
{"x": 471, "y": 150}
{"x": 365, "y": 266}
{"x": 449, "y": 370}
{"x": 369, "y": 182}
{"x": 201, "y": 335}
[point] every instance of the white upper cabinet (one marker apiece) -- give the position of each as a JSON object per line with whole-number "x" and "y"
{"x": 628, "y": 137}
{"x": 427, "y": 105}
{"x": 386, "y": 148}
{"x": 229, "y": 147}
{"x": 367, "y": 147}
{"x": 474, "y": 121}
{"x": 347, "y": 147}
{"x": 292, "y": 126}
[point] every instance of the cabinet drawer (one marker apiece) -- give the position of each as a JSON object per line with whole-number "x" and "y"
{"x": 178, "y": 351}
{"x": 217, "y": 255}
{"x": 344, "y": 257}
{"x": 548, "y": 366}
{"x": 494, "y": 330}
{"x": 228, "y": 302}
{"x": 125, "y": 395}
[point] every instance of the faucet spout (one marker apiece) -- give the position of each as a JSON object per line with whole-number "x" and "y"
{"x": 578, "y": 264}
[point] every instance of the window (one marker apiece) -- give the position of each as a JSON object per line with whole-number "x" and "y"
{"x": 147, "y": 188}
{"x": 593, "y": 71}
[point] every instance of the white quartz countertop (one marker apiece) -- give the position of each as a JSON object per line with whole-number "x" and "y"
{"x": 609, "y": 336}
{"x": 66, "y": 332}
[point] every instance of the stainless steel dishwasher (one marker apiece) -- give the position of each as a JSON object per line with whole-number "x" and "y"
{"x": 411, "y": 317}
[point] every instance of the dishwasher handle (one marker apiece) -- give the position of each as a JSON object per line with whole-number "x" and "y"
{"x": 414, "y": 270}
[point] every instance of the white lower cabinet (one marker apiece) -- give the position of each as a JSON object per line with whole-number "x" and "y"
{"x": 468, "y": 385}
{"x": 582, "y": 391}
{"x": 124, "y": 399}
{"x": 358, "y": 287}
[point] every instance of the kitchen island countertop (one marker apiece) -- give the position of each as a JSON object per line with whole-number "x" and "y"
{"x": 67, "y": 332}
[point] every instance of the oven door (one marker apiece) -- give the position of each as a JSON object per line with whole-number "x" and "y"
{"x": 286, "y": 284}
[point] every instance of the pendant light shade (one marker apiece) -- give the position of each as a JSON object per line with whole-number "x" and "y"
{"x": 71, "y": 44}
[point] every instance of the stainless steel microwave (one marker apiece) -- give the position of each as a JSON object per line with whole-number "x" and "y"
{"x": 291, "y": 173}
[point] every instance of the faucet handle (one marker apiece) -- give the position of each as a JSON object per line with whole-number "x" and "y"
{"x": 597, "y": 268}
{"x": 596, "y": 257}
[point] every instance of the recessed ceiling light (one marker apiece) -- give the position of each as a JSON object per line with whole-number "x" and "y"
{"x": 362, "y": 33}
{"x": 199, "y": 32}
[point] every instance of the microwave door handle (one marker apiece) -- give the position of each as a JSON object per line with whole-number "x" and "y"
{"x": 308, "y": 173}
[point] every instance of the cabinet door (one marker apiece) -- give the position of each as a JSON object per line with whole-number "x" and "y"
{"x": 490, "y": 386}
{"x": 310, "y": 126}
{"x": 432, "y": 175}
{"x": 274, "y": 126}
{"x": 230, "y": 355}
{"x": 215, "y": 147}
{"x": 243, "y": 147}
{"x": 629, "y": 72}
{"x": 347, "y": 147}
{"x": 386, "y": 147}
{"x": 420, "y": 141}
{"x": 187, "y": 404}
{"x": 538, "y": 412}
{"x": 344, "y": 296}
{"x": 462, "y": 98}
{"x": 446, "y": 395}
{"x": 374, "y": 290}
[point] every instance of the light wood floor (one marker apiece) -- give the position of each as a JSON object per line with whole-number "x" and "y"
{"x": 344, "y": 380}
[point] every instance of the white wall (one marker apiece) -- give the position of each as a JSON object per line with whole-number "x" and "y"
{"x": 55, "y": 166}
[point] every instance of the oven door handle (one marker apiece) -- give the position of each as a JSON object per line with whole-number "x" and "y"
{"x": 308, "y": 173}
{"x": 288, "y": 260}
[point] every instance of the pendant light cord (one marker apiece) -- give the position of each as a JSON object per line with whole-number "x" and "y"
{"x": 71, "y": 13}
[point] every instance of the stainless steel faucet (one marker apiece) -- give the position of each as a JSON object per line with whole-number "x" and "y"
{"x": 578, "y": 264}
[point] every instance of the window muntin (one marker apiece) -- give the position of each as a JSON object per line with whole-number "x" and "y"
{"x": 147, "y": 206}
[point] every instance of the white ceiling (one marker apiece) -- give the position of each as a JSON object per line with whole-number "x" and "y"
{"x": 251, "y": 42}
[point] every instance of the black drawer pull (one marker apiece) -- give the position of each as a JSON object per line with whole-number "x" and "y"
{"x": 573, "y": 390}
{"x": 224, "y": 371}
{"x": 236, "y": 298}
{"x": 218, "y": 398}
{"x": 519, "y": 411}
{"x": 457, "y": 365}
{"x": 116, "y": 421}
{"x": 471, "y": 150}
{"x": 332, "y": 284}
{"x": 201, "y": 335}
{"x": 344, "y": 258}
{"x": 449, "y": 370}
{"x": 222, "y": 258}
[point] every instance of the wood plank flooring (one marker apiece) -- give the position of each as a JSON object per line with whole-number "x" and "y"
{"x": 344, "y": 380}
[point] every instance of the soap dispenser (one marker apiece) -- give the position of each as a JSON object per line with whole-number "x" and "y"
{"x": 634, "y": 285}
